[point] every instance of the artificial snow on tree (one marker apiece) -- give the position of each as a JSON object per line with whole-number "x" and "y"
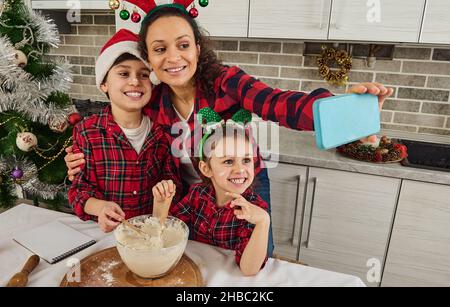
{"x": 34, "y": 105}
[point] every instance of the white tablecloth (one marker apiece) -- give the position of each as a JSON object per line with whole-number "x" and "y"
{"x": 217, "y": 265}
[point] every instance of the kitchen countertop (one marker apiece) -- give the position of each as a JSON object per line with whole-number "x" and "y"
{"x": 299, "y": 147}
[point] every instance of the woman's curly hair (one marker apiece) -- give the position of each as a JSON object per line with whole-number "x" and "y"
{"x": 208, "y": 68}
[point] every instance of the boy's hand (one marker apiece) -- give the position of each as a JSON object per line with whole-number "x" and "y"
{"x": 110, "y": 216}
{"x": 164, "y": 191}
{"x": 248, "y": 211}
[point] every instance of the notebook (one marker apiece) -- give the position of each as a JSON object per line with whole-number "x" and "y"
{"x": 346, "y": 118}
{"x": 54, "y": 241}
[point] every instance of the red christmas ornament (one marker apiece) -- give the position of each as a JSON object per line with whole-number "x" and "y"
{"x": 193, "y": 12}
{"x": 74, "y": 118}
{"x": 135, "y": 17}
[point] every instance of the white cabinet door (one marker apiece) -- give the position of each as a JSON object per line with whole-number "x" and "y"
{"x": 304, "y": 19}
{"x": 287, "y": 185}
{"x": 436, "y": 22}
{"x": 224, "y": 18}
{"x": 348, "y": 218}
{"x": 419, "y": 251}
{"x": 376, "y": 20}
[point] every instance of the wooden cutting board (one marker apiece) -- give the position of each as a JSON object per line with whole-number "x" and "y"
{"x": 106, "y": 269}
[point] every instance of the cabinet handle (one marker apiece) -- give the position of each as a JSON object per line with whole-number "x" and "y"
{"x": 299, "y": 179}
{"x": 315, "y": 181}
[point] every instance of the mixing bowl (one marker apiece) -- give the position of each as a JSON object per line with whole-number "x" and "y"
{"x": 152, "y": 256}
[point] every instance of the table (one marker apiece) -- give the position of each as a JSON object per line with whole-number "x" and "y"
{"x": 217, "y": 265}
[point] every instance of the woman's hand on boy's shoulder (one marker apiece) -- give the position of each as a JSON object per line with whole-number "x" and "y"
{"x": 245, "y": 210}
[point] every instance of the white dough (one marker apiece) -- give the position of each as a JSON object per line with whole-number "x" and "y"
{"x": 154, "y": 255}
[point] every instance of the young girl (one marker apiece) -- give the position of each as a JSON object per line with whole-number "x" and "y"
{"x": 126, "y": 155}
{"x": 223, "y": 211}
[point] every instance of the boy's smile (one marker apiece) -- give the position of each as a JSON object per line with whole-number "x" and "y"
{"x": 128, "y": 86}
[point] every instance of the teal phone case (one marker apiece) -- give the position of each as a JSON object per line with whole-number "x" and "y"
{"x": 346, "y": 118}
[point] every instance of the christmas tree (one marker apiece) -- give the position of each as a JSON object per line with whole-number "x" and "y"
{"x": 36, "y": 112}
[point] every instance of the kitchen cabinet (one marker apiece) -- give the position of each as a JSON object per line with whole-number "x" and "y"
{"x": 287, "y": 190}
{"x": 436, "y": 24}
{"x": 289, "y": 19}
{"x": 384, "y": 20}
{"x": 347, "y": 221}
{"x": 225, "y": 18}
{"x": 419, "y": 251}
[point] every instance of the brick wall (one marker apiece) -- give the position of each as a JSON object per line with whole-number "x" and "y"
{"x": 81, "y": 47}
{"x": 420, "y": 75}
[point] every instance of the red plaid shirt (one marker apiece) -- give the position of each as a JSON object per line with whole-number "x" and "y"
{"x": 114, "y": 171}
{"x": 234, "y": 89}
{"x": 213, "y": 225}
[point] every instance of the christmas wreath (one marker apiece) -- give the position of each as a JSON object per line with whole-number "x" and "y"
{"x": 344, "y": 61}
{"x": 384, "y": 152}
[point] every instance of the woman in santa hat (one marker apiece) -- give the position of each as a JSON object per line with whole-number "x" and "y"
{"x": 193, "y": 78}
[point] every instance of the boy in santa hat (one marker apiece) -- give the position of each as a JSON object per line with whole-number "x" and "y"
{"x": 125, "y": 153}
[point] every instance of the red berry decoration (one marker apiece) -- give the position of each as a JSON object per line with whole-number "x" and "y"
{"x": 386, "y": 152}
{"x": 378, "y": 156}
{"x": 193, "y": 12}
{"x": 74, "y": 118}
{"x": 135, "y": 17}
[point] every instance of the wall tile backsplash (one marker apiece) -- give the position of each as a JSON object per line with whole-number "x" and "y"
{"x": 420, "y": 75}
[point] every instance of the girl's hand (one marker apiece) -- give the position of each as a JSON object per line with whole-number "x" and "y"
{"x": 248, "y": 211}
{"x": 110, "y": 216}
{"x": 376, "y": 89}
{"x": 164, "y": 191}
{"x": 73, "y": 161}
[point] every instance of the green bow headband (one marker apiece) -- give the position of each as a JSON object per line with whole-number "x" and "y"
{"x": 213, "y": 121}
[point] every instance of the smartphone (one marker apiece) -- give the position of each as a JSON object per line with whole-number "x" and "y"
{"x": 345, "y": 118}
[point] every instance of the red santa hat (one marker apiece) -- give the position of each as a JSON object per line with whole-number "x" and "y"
{"x": 124, "y": 41}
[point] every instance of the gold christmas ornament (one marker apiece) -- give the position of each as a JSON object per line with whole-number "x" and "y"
{"x": 343, "y": 60}
{"x": 58, "y": 124}
{"x": 26, "y": 141}
{"x": 114, "y": 4}
{"x": 20, "y": 59}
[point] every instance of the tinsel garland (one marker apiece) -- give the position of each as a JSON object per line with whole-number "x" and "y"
{"x": 30, "y": 181}
{"x": 19, "y": 92}
{"x": 46, "y": 30}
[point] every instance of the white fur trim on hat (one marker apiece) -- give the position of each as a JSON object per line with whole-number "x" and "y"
{"x": 107, "y": 58}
